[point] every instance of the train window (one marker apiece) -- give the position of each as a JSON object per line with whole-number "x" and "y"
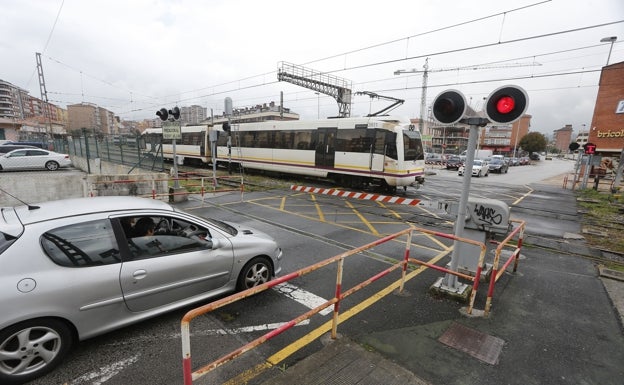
{"x": 303, "y": 139}
{"x": 391, "y": 147}
{"x": 355, "y": 140}
{"x": 412, "y": 146}
{"x": 284, "y": 139}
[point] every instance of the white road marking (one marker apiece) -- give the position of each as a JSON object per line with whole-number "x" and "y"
{"x": 305, "y": 298}
{"x": 105, "y": 373}
{"x": 245, "y": 329}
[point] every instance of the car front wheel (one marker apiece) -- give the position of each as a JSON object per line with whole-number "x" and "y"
{"x": 32, "y": 348}
{"x": 254, "y": 273}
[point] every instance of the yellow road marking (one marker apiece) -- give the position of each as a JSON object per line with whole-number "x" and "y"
{"x": 522, "y": 197}
{"x": 318, "y": 208}
{"x": 396, "y": 215}
{"x": 364, "y": 220}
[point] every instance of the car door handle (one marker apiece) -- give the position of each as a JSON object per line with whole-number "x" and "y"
{"x": 139, "y": 274}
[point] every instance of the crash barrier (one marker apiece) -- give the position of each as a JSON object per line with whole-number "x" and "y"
{"x": 159, "y": 187}
{"x": 340, "y": 293}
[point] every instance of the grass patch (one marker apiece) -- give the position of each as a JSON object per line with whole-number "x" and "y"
{"x": 603, "y": 220}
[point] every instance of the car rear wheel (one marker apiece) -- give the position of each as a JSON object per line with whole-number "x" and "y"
{"x": 32, "y": 348}
{"x": 51, "y": 165}
{"x": 254, "y": 273}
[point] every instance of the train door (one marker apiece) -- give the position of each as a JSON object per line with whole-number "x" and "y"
{"x": 378, "y": 151}
{"x": 325, "y": 147}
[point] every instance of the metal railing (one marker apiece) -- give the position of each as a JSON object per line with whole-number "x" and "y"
{"x": 340, "y": 294}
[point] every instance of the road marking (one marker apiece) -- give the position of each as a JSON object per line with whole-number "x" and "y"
{"x": 244, "y": 329}
{"x": 305, "y": 298}
{"x": 105, "y": 373}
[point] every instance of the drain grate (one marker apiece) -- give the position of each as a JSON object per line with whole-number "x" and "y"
{"x": 482, "y": 346}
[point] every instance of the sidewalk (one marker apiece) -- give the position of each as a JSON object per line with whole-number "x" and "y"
{"x": 555, "y": 321}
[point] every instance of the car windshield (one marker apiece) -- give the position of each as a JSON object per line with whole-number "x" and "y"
{"x": 477, "y": 162}
{"x": 496, "y": 161}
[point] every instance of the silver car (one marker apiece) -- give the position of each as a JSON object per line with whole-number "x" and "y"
{"x": 33, "y": 159}
{"x": 73, "y": 269}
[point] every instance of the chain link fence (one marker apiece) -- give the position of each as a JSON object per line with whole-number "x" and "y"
{"x": 127, "y": 150}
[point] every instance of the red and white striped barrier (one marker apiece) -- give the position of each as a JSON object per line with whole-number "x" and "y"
{"x": 357, "y": 195}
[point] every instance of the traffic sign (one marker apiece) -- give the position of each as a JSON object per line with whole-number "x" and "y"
{"x": 171, "y": 130}
{"x": 589, "y": 148}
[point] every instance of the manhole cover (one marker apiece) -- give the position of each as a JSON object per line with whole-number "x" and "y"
{"x": 482, "y": 346}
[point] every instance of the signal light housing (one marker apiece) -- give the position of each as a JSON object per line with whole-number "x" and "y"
{"x": 163, "y": 114}
{"x": 449, "y": 107}
{"x": 175, "y": 112}
{"x": 506, "y": 104}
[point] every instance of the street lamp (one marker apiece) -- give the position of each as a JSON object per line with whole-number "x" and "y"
{"x": 610, "y": 39}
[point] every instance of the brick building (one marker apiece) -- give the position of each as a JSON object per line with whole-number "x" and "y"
{"x": 607, "y": 126}
{"x": 562, "y": 138}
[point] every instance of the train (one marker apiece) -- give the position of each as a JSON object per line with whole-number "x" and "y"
{"x": 354, "y": 152}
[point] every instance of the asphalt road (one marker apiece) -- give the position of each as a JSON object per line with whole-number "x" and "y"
{"x": 309, "y": 229}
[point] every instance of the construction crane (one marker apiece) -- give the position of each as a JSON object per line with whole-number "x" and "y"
{"x": 338, "y": 88}
{"x": 426, "y": 70}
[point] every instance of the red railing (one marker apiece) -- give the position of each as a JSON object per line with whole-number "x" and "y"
{"x": 190, "y": 376}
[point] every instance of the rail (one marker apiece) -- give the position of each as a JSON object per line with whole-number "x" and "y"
{"x": 190, "y": 376}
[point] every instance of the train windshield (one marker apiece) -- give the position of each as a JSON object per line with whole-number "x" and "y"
{"x": 412, "y": 145}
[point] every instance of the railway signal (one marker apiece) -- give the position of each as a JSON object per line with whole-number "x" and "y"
{"x": 165, "y": 114}
{"x": 506, "y": 104}
{"x": 589, "y": 148}
{"x": 449, "y": 107}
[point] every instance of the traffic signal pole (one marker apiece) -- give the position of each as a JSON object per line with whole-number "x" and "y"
{"x": 450, "y": 281}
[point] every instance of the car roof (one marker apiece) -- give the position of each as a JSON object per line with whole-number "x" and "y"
{"x": 81, "y": 206}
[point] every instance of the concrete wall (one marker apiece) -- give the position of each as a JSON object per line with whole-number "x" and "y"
{"x": 105, "y": 179}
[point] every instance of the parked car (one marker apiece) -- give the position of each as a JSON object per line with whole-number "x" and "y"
{"x": 8, "y": 147}
{"x": 534, "y": 156}
{"x": 498, "y": 165}
{"x": 479, "y": 168}
{"x": 74, "y": 269}
{"x": 31, "y": 143}
{"x": 524, "y": 161}
{"x": 33, "y": 159}
{"x": 453, "y": 162}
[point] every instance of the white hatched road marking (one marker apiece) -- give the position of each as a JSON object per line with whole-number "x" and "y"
{"x": 305, "y": 298}
{"x": 105, "y": 373}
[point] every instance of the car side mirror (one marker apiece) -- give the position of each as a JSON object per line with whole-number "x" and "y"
{"x": 215, "y": 243}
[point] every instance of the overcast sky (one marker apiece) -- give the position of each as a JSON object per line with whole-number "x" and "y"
{"x": 134, "y": 57}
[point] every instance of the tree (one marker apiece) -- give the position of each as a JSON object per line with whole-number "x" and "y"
{"x": 533, "y": 142}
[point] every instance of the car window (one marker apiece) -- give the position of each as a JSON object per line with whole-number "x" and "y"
{"x": 82, "y": 244}
{"x": 5, "y": 241}
{"x": 36, "y": 153}
{"x": 155, "y": 236}
{"x": 18, "y": 153}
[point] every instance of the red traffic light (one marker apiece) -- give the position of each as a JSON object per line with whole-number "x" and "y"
{"x": 506, "y": 104}
{"x": 449, "y": 107}
{"x": 589, "y": 148}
